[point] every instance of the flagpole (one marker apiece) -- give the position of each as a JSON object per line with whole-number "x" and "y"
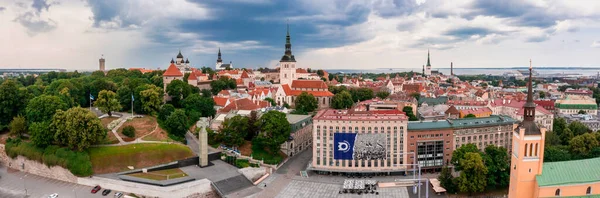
{"x": 132, "y": 104}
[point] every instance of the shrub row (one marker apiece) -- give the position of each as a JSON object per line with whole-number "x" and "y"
{"x": 77, "y": 162}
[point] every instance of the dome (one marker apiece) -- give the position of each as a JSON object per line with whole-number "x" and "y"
{"x": 172, "y": 61}
{"x": 187, "y": 61}
{"x": 179, "y": 55}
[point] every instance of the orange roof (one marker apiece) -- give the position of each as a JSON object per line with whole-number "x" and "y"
{"x": 224, "y": 92}
{"x": 239, "y": 81}
{"x": 241, "y": 104}
{"x": 220, "y": 101}
{"x": 172, "y": 71}
{"x": 318, "y": 84}
{"x": 290, "y": 92}
{"x": 244, "y": 75}
{"x": 143, "y": 70}
{"x": 300, "y": 70}
{"x": 286, "y": 89}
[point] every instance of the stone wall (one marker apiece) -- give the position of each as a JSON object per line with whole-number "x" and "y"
{"x": 200, "y": 188}
{"x": 23, "y": 164}
{"x": 253, "y": 174}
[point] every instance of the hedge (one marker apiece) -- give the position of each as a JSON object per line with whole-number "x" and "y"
{"x": 77, "y": 162}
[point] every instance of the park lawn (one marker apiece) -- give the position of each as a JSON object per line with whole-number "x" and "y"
{"x": 161, "y": 174}
{"x": 110, "y": 138}
{"x": 143, "y": 126}
{"x": 110, "y": 159}
{"x": 159, "y": 135}
{"x": 107, "y": 120}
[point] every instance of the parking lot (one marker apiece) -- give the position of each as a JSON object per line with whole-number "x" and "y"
{"x": 13, "y": 184}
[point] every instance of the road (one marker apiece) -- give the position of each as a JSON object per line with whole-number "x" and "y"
{"x": 13, "y": 184}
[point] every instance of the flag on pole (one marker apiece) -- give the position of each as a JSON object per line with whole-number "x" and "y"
{"x": 132, "y": 98}
{"x": 91, "y": 97}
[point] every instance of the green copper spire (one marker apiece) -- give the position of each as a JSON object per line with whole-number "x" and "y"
{"x": 428, "y": 64}
{"x": 288, "y": 57}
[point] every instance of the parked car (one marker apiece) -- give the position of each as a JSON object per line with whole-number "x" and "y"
{"x": 105, "y": 192}
{"x": 118, "y": 195}
{"x": 55, "y": 195}
{"x": 96, "y": 189}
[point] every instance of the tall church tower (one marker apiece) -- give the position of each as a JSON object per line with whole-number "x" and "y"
{"x": 287, "y": 64}
{"x": 527, "y": 156}
{"x": 428, "y": 67}
{"x": 219, "y": 60}
{"x": 102, "y": 63}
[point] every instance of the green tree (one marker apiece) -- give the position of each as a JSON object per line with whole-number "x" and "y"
{"x": 409, "y": 113}
{"x": 12, "y": 102}
{"x": 101, "y": 84}
{"x": 18, "y": 126}
{"x": 498, "y": 165}
{"x": 252, "y": 128}
{"x": 98, "y": 74}
{"x": 206, "y": 93}
{"x": 566, "y": 136}
{"x": 581, "y": 112}
{"x": 233, "y": 130}
{"x": 176, "y": 123}
{"x": 416, "y": 95}
{"x": 129, "y": 131}
{"x": 473, "y": 175}
{"x": 306, "y": 102}
{"x": 447, "y": 180}
{"x": 583, "y": 144}
{"x": 552, "y": 139}
{"x": 221, "y": 84}
{"x": 107, "y": 102}
{"x": 320, "y": 72}
{"x": 361, "y": 94}
{"x": 383, "y": 94}
{"x": 342, "y": 100}
{"x": 270, "y": 100}
{"x": 542, "y": 94}
{"x": 65, "y": 97}
{"x": 77, "y": 128}
{"x": 459, "y": 154}
{"x": 578, "y": 128}
{"x": 556, "y": 153}
{"x": 274, "y": 130}
{"x": 40, "y": 134}
{"x": 470, "y": 115}
{"x": 558, "y": 125}
{"x": 165, "y": 111}
{"x": 42, "y": 108}
{"x": 150, "y": 99}
{"x": 178, "y": 90}
{"x": 202, "y": 105}
{"x": 124, "y": 94}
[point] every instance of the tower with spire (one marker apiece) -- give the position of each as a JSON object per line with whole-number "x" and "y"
{"x": 102, "y": 66}
{"x": 220, "y": 65}
{"x": 182, "y": 64}
{"x": 427, "y": 71}
{"x": 527, "y": 152}
{"x": 287, "y": 64}
{"x": 451, "y": 70}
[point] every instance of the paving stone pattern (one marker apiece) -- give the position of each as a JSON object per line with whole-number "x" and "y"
{"x": 304, "y": 189}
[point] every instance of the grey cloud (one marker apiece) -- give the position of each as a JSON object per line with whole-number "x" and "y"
{"x": 40, "y": 4}
{"x": 107, "y": 10}
{"x": 406, "y": 26}
{"x": 537, "y": 39}
{"x": 518, "y": 12}
{"x": 34, "y": 24}
{"x": 2, "y": 9}
{"x": 466, "y": 32}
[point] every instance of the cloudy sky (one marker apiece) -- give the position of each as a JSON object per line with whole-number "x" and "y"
{"x": 330, "y": 34}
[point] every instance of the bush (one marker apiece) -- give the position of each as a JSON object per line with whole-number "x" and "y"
{"x": 129, "y": 131}
{"x": 77, "y": 163}
{"x": 242, "y": 163}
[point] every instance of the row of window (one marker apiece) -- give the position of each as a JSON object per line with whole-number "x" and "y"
{"x": 588, "y": 191}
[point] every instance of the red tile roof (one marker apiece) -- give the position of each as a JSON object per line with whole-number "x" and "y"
{"x": 244, "y": 75}
{"x": 172, "y": 71}
{"x": 143, "y": 70}
{"x": 241, "y": 104}
{"x": 316, "y": 84}
{"x": 224, "y": 92}
{"x": 300, "y": 70}
{"x": 220, "y": 101}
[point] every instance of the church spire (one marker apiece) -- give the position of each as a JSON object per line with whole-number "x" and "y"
{"x": 219, "y": 56}
{"x": 529, "y": 107}
{"x": 288, "y": 57}
{"x": 423, "y": 71}
{"x": 428, "y": 64}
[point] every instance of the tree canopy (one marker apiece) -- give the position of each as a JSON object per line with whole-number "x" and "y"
{"x": 409, "y": 112}
{"x": 274, "y": 130}
{"x": 306, "y": 102}
{"x": 234, "y": 130}
{"x": 107, "y": 102}
{"x": 178, "y": 90}
{"x": 383, "y": 94}
{"x": 77, "y": 128}
{"x": 459, "y": 154}
{"x": 473, "y": 175}
{"x": 42, "y": 108}
{"x": 12, "y": 102}
{"x": 176, "y": 123}
{"x": 342, "y": 100}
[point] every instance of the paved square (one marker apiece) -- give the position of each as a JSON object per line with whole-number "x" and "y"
{"x": 306, "y": 189}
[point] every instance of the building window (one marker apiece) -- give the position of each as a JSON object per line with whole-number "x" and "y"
{"x": 525, "y": 155}
{"x": 588, "y": 191}
{"x": 557, "y": 193}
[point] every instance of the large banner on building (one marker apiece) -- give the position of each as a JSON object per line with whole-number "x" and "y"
{"x": 363, "y": 146}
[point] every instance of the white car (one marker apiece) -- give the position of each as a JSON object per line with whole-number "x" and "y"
{"x": 118, "y": 195}
{"x": 55, "y": 195}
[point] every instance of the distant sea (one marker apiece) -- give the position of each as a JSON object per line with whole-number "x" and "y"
{"x": 568, "y": 71}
